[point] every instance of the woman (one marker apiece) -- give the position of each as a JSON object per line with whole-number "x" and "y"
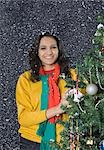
{"x": 40, "y": 92}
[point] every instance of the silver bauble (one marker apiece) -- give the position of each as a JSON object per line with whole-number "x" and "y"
{"x": 91, "y": 89}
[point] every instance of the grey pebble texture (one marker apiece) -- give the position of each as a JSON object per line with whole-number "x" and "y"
{"x": 73, "y": 21}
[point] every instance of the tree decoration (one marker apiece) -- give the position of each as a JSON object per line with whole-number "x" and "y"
{"x": 84, "y": 130}
{"x": 91, "y": 89}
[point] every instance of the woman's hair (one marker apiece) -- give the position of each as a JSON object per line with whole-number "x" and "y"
{"x": 35, "y": 62}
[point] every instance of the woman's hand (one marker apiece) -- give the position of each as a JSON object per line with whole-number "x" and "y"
{"x": 57, "y": 110}
{"x": 63, "y": 102}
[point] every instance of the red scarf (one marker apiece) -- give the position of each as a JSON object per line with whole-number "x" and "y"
{"x": 54, "y": 94}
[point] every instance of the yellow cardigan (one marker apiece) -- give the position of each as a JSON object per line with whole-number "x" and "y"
{"x": 28, "y": 95}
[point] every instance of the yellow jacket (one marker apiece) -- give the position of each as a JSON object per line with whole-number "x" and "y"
{"x": 28, "y": 95}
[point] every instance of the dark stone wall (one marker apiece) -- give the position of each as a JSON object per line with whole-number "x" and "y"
{"x": 73, "y": 21}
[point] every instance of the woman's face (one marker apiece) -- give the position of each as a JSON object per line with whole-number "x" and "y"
{"x": 48, "y": 52}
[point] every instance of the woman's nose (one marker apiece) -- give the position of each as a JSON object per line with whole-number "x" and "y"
{"x": 49, "y": 51}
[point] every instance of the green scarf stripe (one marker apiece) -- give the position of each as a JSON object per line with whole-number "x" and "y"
{"x": 44, "y": 96}
{"x": 44, "y": 103}
{"x": 46, "y": 129}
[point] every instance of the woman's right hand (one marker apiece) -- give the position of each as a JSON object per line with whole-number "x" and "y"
{"x": 63, "y": 102}
{"x": 57, "y": 110}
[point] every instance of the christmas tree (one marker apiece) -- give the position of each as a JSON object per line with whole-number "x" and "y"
{"x": 84, "y": 129}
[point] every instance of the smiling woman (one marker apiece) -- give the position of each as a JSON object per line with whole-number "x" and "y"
{"x": 48, "y": 52}
{"x": 40, "y": 92}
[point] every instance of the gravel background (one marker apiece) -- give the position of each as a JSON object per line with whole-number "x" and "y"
{"x": 73, "y": 21}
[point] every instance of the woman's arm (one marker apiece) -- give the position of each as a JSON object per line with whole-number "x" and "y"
{"x": 27, "y": 116}
{"x": 57, "y": 110}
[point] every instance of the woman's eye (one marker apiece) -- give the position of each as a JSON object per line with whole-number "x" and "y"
{"x": 43, "y": 48}
{"x": 54, "y": 47}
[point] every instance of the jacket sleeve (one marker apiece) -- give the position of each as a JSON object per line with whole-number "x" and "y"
{"x": 74, "y": 77}
{"x": 73, "y": 74}
{"x": 27, "y": 116}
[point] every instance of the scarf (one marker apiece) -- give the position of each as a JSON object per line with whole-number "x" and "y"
{"x": 50, "y": 97}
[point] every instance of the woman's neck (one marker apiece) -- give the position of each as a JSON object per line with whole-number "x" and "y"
{"x": 48, "y": 68}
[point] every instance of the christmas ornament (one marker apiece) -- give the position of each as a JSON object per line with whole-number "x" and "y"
{"x": 100, "y": 26}
{"x": 97, "y": 33}
{"x": 77, "y": 95}
{"x": 62, "y": 75}
{"x": 102, "y": 49}
{"x": 91, "y": 89}
{"x": 101, "y": 145}
{"x": 98, "y": 78}
{"x": 90, "y": 142}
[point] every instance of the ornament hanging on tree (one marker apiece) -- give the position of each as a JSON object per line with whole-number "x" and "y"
{"x": 102, "y": 54}
{"x": 102, "y": 50}
{"x": 100, "y": 26}
{"x": 77, "y": 95}
{"x": 90, "y": 142}
{"x": 101, "y": 145}
{"x": 91, "y": 89}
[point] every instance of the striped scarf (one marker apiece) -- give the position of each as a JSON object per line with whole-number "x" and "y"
{"x": 50, "y": 97}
